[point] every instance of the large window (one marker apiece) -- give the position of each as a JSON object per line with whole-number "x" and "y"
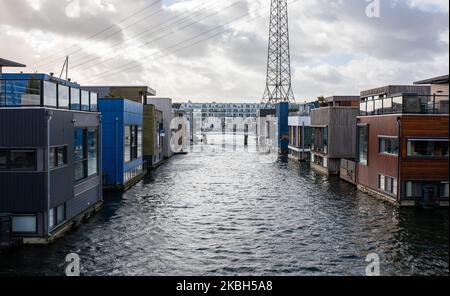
{"x": 18, "y": 160}
{"x": 50, "y": 94}
{"x": 363, "y": 141}
{"x": 320, "y": 139}
{"x": 388, "y": 184}
{"x": 75, "y": 102}
{"x": 92, "y": 152}
{"x": 24, "y": 224}
{"x": 85, "y": 153}
{"x": 84, "y": 100}
{"x": 22, "y": 92}
{"x": 415, "y": 189}
{"x": 80, "y": 154}
{"x": 63, "y": 97}
{"x": 388, "y": 145}
{"x": 428, "y": 148}
{"x": 132, "y": 139}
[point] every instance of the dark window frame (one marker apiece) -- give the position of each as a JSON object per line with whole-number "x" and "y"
{"x": 84, "y": 160}
{"x": 9, "y": 167}
{"x": 359, "y": 127}
{"x": 435, "y": 139}
{"x": 388, "y": 138}
{"x": 24, "y": 232}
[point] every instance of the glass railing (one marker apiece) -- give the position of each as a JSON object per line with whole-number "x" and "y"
{"x": 43, "y": 93}
{"x": 406, "y": 104}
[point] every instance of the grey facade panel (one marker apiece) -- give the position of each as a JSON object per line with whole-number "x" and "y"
{"x": 23, "y": 128}
{"x": 61, "y": 186}
{"x": 82, "y": 202}
{"x": 22, "y": 192}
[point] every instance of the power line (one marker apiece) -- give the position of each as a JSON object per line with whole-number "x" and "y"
{"x": 115, "y": 53}
{"x": 129, "y": 67}
{"x": 102, "y": 31}
{"x": 151, "y": 30}
{"x": 121, "y": 69}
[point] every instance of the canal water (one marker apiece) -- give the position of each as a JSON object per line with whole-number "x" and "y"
{"x": 223, "y": 211}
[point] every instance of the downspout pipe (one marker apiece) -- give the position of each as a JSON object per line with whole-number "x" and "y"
{"x": 399, "y": 158}
{"x": 49, "y": 119}
{"x": 117, "y": 151}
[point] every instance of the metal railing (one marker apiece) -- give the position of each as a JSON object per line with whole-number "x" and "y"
{"x": 406, "y": 104}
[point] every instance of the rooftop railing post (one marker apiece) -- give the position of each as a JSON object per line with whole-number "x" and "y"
{"x": 434, "y": 104}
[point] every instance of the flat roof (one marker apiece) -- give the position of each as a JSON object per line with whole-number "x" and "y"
{"x": 38, "y": 76}
{"x": 435, "y": 80}
{"x": 150, "y": 91}
{"x": 342, "y": 98}
{"x": 8, "y": 63}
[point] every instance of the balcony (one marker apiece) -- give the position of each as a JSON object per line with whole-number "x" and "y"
{"x": 405, "y": 104}
{"x": 42, "y": 92}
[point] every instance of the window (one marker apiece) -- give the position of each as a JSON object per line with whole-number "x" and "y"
{"x": 320, "y": 139}
{"x": 139, "y": 142}
{"x": 22, "y": 160}
{"x": 92, "y": 152}
{"x": 415, "y": 189}
{"x": 84, "y": 100}
{"x": 57, "y": 157}
{"x": 63, "y": 97}
{"x": 387, "y": 184}
{"x": 75, "y": 102}
{"x": 23, "y": 93}
{"x": 56, "y": 216}
{"x": 2, "y": 93}
{"x": 127, "y": 144}
{"x": 131, "y": 143}
{"x": 3, "y": 159}
{"x": 94, "y": 99}
{"x": 51, "y": 218}
{"x": 24, "y": 224}
{"x": 50, "y": 97}
{"x": 388, "y": 146}
{"x": 363, "y": 139}
{"x": 80, "y": 154}
{"x": 428, "y": 148}
{"x": 18, "y": 160}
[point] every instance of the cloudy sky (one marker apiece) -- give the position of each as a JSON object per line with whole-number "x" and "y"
{"x": 216, "y": 50}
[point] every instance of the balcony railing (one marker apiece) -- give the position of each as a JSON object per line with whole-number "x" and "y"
{"x": 42, "y": 93}
{"x": 406, "y": 104}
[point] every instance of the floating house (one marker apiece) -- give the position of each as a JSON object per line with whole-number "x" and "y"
{"x": 333, "y": 133}
{"x": 122, "y": 125}
{"x": 165, "y": 106}
{"x": 299, "y": 137}
{"x": 153, "y": 121}
{"x": 153, "y": 136}
{"x": 50, "y": 156}
{"x": 403, "y": 145}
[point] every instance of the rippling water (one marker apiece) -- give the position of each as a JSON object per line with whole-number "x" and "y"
{"x": 226, "y": 213}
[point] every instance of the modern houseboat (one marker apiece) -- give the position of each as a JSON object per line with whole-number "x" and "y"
{"x": 403, "y": 148}
{"x": 50, "y": 156}
{"x": 299, "y": 137}
{"x": 122, "y": 124}
{"x": 333, "y": 133}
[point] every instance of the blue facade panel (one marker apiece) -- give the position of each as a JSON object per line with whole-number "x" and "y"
{"x": 282, "y": 111}
{"x": 116, "y": 114}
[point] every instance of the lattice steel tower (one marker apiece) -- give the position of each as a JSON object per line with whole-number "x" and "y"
{"x": 278, "y": 83}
